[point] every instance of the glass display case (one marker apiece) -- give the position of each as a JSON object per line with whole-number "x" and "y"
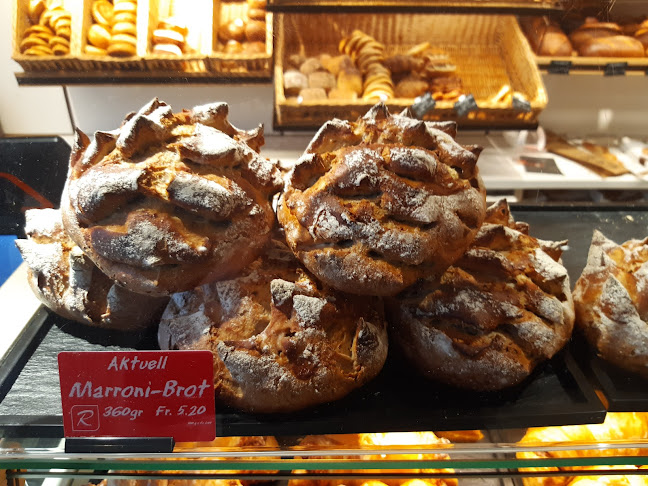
{"x": 572, "y": 416}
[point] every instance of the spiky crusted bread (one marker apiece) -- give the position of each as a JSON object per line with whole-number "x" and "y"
{"x": 497, "y": 312}
{"x": 281, "y": 341}
{"x": 68, "y": 283}
{"x": 611, "y": 301}
{"x": 170, "y": 201}
{"x": 376, "y": 204}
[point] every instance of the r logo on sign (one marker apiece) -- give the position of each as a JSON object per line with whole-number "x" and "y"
{"x": 85, "y": 417}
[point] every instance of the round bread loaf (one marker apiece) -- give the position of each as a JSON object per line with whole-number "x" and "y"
{"x": 170, "y": 201}
{"x": 68, "y": 283}
{"x": 502, "y": 308}
{"x": 280, "y": 341}
{"x": 376, "y": 204}
{"x": 612, "y": 303}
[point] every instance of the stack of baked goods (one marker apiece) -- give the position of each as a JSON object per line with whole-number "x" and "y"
{"x": 246, "y": 33}
{"x": 386, "y": 207}
{"x": 591, "y": 38}
{"x": 322, "y": 77}
{"x": 170, "y": 37}
{"x": 114, "y": 28}
{"x": 369, "y": 55}
{"x": 49, "y": 31}
{"x": 625, "y": 426}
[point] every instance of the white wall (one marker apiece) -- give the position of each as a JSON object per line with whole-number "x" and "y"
{"x": 104, "y": 107}
{"x": 26, "y": 110}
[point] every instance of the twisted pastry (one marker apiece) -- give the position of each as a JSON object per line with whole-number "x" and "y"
{"x": 170, "y": 201}
{"x": 496, "y": 313}
{"x": 376, "y": 204}
{"x": 369, "y": 56}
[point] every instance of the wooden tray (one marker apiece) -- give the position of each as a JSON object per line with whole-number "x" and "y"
{"x": 489, "y": 51}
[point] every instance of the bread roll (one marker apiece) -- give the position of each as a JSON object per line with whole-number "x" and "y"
{"x": 611, "y": 303}
{"x": 546, "y": 37}
{"x": 612, "y": 46}
{"x": 169, "y": 201}
{"x": 375, "y": 204}
{"x": 68, "y": 283}
{"x": 281, "y": 341}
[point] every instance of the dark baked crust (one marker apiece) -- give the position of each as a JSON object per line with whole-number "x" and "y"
{"x": 280, "y": 341}
{"x": 375, "y": 204}
{"x": 170, "y": 201}
{"x": 494, "y": 315}
{"x": 68, "y": 283}
{"x": 612, "y": 303}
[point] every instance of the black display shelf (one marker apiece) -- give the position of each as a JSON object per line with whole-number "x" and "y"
{"x": 620, "y": 390}
{"x": 557, "y": 393}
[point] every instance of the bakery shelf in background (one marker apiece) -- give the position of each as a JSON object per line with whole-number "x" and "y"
{"x": 200, "y": 59}
{"x": 489, "y": 52}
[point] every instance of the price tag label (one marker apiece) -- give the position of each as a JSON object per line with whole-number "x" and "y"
{"x": 465, "y": 105}
{"x": 615, "y": 69}
{"x": 422, "y": 105}
{"x": 138, "y": 394}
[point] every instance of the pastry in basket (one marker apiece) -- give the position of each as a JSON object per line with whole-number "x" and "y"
{"x": 391, "y": 440}
{"x": 67, "y": 281}
{"x": 618, "y": 426}
{"x": 281, "y": 341}
{"x": 49, "y": 29}
{"x": 170, "y": 201}
{"x": 369, "y": 55}
{"x": 497, "y": 312}
{"x": 611, "y": 302}
{"x": 375, "y": 204}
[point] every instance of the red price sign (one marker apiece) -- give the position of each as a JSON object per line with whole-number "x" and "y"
{"x": 138, "y": 394}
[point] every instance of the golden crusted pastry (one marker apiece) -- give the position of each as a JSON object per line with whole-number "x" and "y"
{"x": 612, "y": 304}
{"x": 170, "y": 201}
{"x": 369, "y": 55}
{"x": 67, "y": 281}
{"x": 502, "y": 308}
{"x": 390, "y": 440}
{"x": 280, "y": 342}
{"x": 50, "y": 31}
{"x": 626, "y": 426}
{"x": 220, "y": 444}
{"x": 376, "y": 204}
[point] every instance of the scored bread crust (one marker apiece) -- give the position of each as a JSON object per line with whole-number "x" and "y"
{"x": 376, "y": 204}
{"x": 280, "y": 341}
{"x": 611, "y": 302}
{"x": 494, "y": 315}
{"x": 68, "y": 283}
{"x": 170, "y": 201}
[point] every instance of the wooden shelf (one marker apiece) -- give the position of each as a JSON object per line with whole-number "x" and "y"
{"x": 419, "y": 6}
{"x": 44, "y": 78}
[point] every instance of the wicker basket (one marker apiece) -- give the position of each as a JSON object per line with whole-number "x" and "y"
{"x": 239, "y": 65}
{"x": 489, "y": 51}
{"x": 20, "y": 22}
